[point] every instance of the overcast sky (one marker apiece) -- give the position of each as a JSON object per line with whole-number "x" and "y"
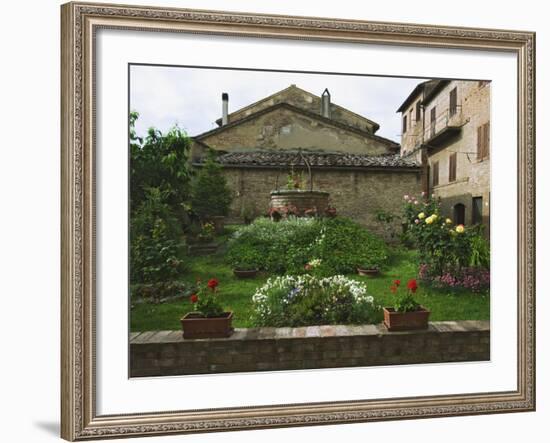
{"x": 191, "y": 97}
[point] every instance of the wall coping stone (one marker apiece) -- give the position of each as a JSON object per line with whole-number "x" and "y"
{"x": 314, "y": 332}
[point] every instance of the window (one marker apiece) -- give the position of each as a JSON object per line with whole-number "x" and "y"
{"x": 483, "y": 140}
{"x": 452, "y": 102}
{"x": 432, "y": 122}
{"x": 435, "y": 173}
{"x": 418, "y": 111}
{"x": 404, "y": 124}
{"x": 477, "y": 210}
{"x": 411, "y": 118}
{"x": 452, "y": 167}
{"x": 459, "y": 214}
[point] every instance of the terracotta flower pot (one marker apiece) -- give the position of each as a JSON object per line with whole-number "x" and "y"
{"x": 368, "y": 271}
{"x": 194, "y": 325}
{"x": 404, "y": 321}
{"x": 245, "y": 273}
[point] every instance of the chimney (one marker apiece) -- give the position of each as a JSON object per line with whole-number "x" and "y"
{"x": 225, "y": 108}
{"x": 325, "y": 103}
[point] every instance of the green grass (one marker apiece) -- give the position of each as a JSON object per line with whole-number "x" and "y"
{"x": 237, "y": 294}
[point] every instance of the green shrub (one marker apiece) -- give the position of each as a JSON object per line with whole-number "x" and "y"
{"x": 307, "y": 300}
{"x": 156, "y": 247}
{"x": 343, "y": 245}
{"x": 210, "y": 194}
{"x": 289, "y": 245}
{"x": 275, "y": 247}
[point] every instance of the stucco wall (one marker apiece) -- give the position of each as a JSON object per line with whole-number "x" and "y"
{"x": 283, "y": 129}
{"x": 358, "y": 194}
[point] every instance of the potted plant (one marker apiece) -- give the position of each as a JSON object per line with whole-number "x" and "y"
{"x": 371, "y": 269}
{"x": 205, "y": 241}
{"x": 206, "y": 234}
{"x": 209, "y": 320}
{"x": 245, "y": 268}
{"x": 244, "y": 263}
{"x": 407, "y": 313}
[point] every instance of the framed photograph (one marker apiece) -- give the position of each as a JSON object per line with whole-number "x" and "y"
{"x": 284, "y": 221}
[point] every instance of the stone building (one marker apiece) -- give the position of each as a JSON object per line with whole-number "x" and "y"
{"x": 260, "y": 144}
{"x": 446, "y": 127}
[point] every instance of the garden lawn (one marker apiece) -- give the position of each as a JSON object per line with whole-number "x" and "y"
{"x": 237, "y": 294}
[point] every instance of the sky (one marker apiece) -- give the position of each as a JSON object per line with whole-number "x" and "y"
{"x": 191, "y": 97}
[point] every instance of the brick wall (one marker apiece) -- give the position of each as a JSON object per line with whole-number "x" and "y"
{"x": 357, "y": 194}
{"x": 156, "y": 353}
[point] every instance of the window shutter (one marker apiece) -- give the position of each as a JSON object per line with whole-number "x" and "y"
{"x": 479, "y": 142}
{"x": 452, "y": 102}
{"x": 486, "y": 138}
{"x": 452, "y": 167}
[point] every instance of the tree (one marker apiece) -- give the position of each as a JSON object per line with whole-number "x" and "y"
{"x": 210, "y": 195}
{"x": 160, "y": 161}
{"x": 159, "y": 196}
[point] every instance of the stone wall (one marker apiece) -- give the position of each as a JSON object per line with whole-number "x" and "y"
{"x": 472, "y": 174}
{"x": 157, "y": 353}
{"x": 357, "y": 194}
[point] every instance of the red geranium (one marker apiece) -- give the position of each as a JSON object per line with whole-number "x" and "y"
{"x": 212, "y": 283}
{"x": 412, "y": 285}
{"x": 194, "y": 298}
{"x": 393, "y": 288}
{"x": 397, "y": 282}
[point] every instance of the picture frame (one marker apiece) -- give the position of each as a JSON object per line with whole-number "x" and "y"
{"x": 80, "y": 23}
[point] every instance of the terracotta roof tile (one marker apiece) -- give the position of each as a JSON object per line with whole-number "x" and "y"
{"x": 315, "y": 159}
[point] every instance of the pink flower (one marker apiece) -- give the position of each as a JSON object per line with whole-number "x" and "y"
{"x": 417, "y": 221}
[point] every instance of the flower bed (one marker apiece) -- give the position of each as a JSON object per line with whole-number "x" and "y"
{"x": 450, "y": 256}
{"x": 308, "y": 300}
{"x": 470, "y": 278}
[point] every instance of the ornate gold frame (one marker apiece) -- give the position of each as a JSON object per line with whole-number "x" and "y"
{"x": 79, "y": 420}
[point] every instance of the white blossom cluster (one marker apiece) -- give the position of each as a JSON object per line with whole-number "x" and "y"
{"x": 288, "y": 287}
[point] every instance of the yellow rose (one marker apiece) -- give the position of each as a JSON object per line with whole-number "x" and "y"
{"x": 421, "y": 215}
{"x": 430, "y": 220}
{"x": 459, "y": 229}
{"x": 448, "y": 221}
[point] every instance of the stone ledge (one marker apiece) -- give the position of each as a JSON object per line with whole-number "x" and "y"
{"x": 310, "y": 332}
